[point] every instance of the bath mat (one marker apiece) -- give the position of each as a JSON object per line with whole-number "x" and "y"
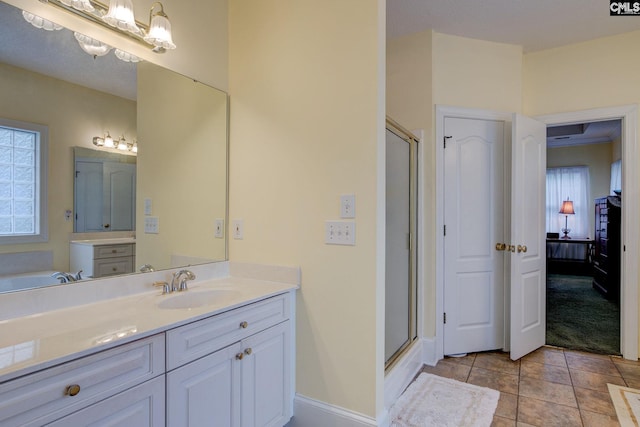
{"x": 627, "y": 403}
{"x": 437, "y": 401}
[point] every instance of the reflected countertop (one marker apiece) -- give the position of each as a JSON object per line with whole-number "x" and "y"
{"x": 109, "y": 241}
{"x": 43, "y": 339}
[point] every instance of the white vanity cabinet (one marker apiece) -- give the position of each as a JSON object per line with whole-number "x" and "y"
{"x": 101, "y": 258}
{"x": 121, "y": 375}
{"x": 233, "y": 369}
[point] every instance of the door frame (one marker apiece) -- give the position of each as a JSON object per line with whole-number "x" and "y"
{"x": 443, "y": 111}
{"x": 630, "y": 211}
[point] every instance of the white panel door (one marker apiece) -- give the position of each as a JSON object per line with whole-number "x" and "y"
{"x": 88, "y": 197}
{"x": 474, "y": 223}
{"x": 528, "y": 269}
{"x": 120, "y": 196}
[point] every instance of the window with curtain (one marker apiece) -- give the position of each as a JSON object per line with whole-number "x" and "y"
{"x": 572, "y": 183}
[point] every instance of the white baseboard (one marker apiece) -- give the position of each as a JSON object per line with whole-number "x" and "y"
{"x": 314, "y": 413}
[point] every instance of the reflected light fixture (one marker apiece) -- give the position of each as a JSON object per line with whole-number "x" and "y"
{"x": 566, "y": 210}
{"x": 91, "y": 46}
{"x": 82, "y": 5}
{"x": 40, "y": 22}
{"x": 126, "y": 56}
{"x": 121, "y": 144}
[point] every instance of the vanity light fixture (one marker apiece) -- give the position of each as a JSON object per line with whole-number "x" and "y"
{"x": 121, "y": 143}
{"x": 119, "y": 16}
{"x": 40, "y": 22}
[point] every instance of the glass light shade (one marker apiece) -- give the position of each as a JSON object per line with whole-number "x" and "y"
{"x": 122, "y": 144}
{"x": 108, "y": 141}
{"x": 39, "y": 22}
{"x": 98, "y": 141}
{"x": 126, "y": 56}
{"x": 159, "y": 33}
{"x": 92, "y": 46}
{"x": 84, "y": 5}
{"x": 120, "y": 15}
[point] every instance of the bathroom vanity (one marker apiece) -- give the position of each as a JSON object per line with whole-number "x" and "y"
{"x": 219, "y": 354}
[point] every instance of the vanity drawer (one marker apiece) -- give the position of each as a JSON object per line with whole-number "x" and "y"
{"x": 46, "y": 395}
{"x": 112, "y": 266}
{"x": 195, "y": 340}
{"x": 112, "y": 251}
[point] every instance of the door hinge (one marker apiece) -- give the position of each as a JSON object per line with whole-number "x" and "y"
{"x": 444, "y": 141}
{"x": 77, "y": 172}
{"x": 444, "y": 231}
{"x": 444, "y": 317}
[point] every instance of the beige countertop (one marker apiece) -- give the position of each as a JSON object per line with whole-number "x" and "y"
{"x": 42, "y": 339}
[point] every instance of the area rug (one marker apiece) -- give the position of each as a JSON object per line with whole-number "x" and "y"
{"x": 627, "y": 403}
{"x": 437, "y": 401}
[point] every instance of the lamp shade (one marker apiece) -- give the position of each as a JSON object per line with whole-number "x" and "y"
{"x": 160, "y": 32}
{"x": 120, "y": 15}
{"x": 91, "y": 46}
{"x": 83, "y": 5}
{"x": 567, "y": 208}
{"x": 40, "y": 22}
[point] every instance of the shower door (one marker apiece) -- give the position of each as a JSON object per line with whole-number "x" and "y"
{"x": 400, "y": 278}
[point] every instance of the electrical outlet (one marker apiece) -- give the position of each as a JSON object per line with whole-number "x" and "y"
{"x": 348, "y": 206}
{"x": 151, "y": 225}
{"x": 219, "y": 224}
{"x": 238, "y": 229}
{"x": 340, "y": 233}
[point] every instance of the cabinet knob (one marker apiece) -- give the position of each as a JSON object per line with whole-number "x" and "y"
{"x": 114, "y": 251}
{"x": 244, "y": 325}
{"x": 248, "y": 351}
{"x": 72, "y": 390}
{"x": 114, "y": 268}
{"x": 239, "y": 356}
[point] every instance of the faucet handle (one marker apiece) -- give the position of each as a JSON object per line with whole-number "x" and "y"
{"x": 165, "y": 287}
{"x": 79, "y": 275}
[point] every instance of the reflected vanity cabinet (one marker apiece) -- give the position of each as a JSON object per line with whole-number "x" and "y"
{"x": 607, "y": 242}
{"x": 101, "y": 259}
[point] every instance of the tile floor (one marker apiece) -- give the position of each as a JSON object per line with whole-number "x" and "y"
{"x": 549, "y": 387}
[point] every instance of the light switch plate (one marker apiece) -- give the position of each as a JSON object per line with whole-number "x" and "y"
{"x": 151, "y": 225}
{"x": 340, "y": 233}
{"x": 348, "y": 206}
{"x": 238, "y": 229}
{"x": 147, "y": 206}
{"x": 219, "y": 231}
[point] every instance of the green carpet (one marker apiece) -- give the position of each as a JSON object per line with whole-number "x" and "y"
{"x": 579, "y": 318}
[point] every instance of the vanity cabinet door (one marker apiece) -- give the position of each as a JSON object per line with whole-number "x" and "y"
{"x": 143, "y": 405}
{"x": 266, "y": 378}
{"x": 206, "y": 392}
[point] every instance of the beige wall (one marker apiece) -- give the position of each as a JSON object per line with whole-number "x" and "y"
{"x": 74, "y": 115}
{"x": 597, "y": 157}
{"x": 428, "y": 69}
{"x": 476, "y": 74}
{"x": 307, "y": 121}
{"x": 182, "y": 167}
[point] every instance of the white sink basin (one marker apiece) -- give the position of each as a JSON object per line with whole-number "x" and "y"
{"x": 197, "y": 298}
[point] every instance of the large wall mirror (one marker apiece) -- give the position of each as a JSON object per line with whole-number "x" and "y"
{"x": 179, "y": 171}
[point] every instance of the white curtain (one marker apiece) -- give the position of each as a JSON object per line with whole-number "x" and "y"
{"x": 572, "y": 183}
{"x": 616, "y": 176}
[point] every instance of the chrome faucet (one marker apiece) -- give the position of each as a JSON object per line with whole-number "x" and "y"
{"x": 179, "y": 280}
{"x": 67, "y": 277}
{"x": 147, "y": 268}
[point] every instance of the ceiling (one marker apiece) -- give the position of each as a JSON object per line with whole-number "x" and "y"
{"x": 584, "y": 133}
{"x": 532, "y": 24}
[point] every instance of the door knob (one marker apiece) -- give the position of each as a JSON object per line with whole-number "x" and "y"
{"x": 501, "y": 246}
{"x": 522, "y": 248}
